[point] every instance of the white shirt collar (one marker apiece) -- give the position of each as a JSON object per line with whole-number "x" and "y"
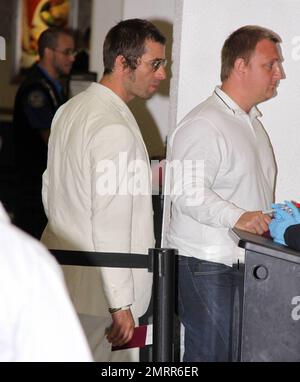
{"x": 98, "y": 88}
{"x": 233, "y": 106}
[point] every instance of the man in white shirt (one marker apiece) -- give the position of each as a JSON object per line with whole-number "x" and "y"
{"x": 237, "y": 182}
{"x": 97, "y": 187}
{"x": 37, "y": 320}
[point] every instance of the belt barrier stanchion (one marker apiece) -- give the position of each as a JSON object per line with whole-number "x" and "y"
{"x": 159, "y": 261}
{"x": 163, "y": 303}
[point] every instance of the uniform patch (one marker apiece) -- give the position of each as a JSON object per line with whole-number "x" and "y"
{"x": 36, "y": 99}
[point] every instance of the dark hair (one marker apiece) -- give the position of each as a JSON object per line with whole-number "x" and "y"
{"x": 241, "y": 44}
{"x": 48, "y": 39}
{"x": 127, "y": 38}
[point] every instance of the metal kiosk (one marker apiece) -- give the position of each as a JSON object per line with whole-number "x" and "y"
{"x": 269, "y": 321}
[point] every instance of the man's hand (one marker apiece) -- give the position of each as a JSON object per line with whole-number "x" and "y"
{"x": 254, "y": 222}
{"x": 122, "y": 328}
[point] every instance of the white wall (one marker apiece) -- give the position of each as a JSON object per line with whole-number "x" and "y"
{"x": 204, "y": 27}
{"x": 105, "y": 14}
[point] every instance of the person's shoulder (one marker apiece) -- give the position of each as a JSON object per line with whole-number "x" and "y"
{"x": 32, "y": 76}
{"x": 21, "y": 254}
{"x": 34, "y": 83}
{"x": 198, "y": 122}
{"x": 201, "y": 113}
{"x": 97, "y": 105}
{"x": 203, "y": 110}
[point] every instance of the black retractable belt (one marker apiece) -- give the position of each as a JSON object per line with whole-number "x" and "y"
{"x": 102, "y": 259}
{"x": 161, "y": 262}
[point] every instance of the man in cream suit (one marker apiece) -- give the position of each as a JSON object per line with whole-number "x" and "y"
{"x": 97, "y": 187}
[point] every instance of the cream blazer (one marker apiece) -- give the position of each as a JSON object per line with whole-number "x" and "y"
{"x": 95, "y": 199}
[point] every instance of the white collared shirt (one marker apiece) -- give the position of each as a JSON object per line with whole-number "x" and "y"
{"x": 239, "y": 175}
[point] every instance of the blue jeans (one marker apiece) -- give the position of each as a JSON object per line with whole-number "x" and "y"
{"x": 205, "y": 308}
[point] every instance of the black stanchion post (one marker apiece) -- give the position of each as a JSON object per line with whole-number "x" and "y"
{"x": 163, "y": 303}
{"x": 161, "y": 262}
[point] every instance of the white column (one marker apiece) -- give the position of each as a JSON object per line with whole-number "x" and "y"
{"x": 105, "y": 14}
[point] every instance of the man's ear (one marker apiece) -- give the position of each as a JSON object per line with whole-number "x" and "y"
{"x": 48, "y": 52}
{"x": 240, "y": 66}
{"x": 120, "y": 63}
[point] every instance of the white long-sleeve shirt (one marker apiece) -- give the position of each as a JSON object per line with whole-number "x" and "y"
{"x": 37, "y": 319}
{"x": 239, "y": 175}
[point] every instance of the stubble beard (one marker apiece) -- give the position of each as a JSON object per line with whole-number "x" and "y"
{"x": 141, "y": 93}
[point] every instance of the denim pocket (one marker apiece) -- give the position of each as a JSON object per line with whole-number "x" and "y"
{"x": 209, "y": 273}
{"x": 207, "y": 268}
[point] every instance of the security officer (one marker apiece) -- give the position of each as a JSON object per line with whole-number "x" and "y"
{"x": 37, "y": 100}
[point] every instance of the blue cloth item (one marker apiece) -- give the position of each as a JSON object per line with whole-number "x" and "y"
{"x": 206, "y": 291}
{"x": 282, "y": 220}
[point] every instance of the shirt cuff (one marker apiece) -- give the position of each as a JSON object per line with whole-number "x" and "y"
{"x": 114, "y": 310}
{"x": 232, "y": 216}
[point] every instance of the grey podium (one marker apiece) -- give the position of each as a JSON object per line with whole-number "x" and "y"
{"x": 266, "y": 314}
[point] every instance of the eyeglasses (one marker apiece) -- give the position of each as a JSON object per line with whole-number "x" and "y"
{"x": 157, "y": 63}
{"x": 66, "y": 52}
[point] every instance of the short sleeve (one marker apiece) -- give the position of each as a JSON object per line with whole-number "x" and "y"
{"x": 38, "y": 109}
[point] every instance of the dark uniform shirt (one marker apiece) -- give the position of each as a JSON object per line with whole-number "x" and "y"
{"x": 36, "y": 102}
